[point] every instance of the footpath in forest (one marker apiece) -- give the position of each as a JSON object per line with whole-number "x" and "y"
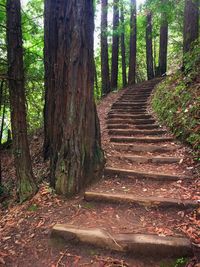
{"x": 142, "y": 176}
{"x": 143, "y": 212}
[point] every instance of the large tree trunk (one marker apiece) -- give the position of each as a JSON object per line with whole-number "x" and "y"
{"x": 191, "y": 24}
{"x": 76, "y": 158}
{"x": 123, "y": 48}
{"x": 104, "y": 48}
{"x": 149, "y": 47}
{"x": 163, "y": 42}
{"x": 133, "y": 44}
{"x": 115, "y": 45}
{"x": 26, "y": 183}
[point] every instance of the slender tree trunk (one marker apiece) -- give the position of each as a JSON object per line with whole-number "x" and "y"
{"x": 133, "y": 44}
{"x": 50, "y": 49}
{"x": 149, "y": 47}
{"x": 97, "y": 89}
{"x": 115, "y": 45}
{"x": 123, "y": 48}
{"x": 163, "y": 42}
{"x": 2, "y": 123}
{"x": 26, "y": 184}
{"x": 191, "y": 24}
{"x": 104, "y": 48}
{"x": 76, "y": 157}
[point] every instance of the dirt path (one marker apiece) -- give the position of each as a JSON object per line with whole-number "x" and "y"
{"x": 145, "y": 203}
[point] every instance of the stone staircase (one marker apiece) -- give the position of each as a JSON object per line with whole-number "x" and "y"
{"x": 135, "y": 180}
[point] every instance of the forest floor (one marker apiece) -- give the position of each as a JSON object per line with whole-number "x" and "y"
{"x": 25, "y": 229}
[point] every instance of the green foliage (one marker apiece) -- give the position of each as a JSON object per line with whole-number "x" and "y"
{"x": 177, "y": 103}
{"x": 33, "y": 41}
{"x": 191, "y": 59}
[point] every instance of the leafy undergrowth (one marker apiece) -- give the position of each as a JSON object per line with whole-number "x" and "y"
{"x": 177, "y": 103}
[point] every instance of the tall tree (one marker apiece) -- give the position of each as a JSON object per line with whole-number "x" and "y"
{"x": 163, "y": 40}
{"x": 133, "y": 47}
{"x": 2, "y": 104}
{"x": 50, "y": 50}
{"x": 26, "y": 183}
{"x": 104, "y": 48}
{"x": 191, "y": 23}
{"x": 76, "y": 157}
{"x": 149, "y": 47}
{"x": 123, "y": 48}
{"x": 115, "y": 45}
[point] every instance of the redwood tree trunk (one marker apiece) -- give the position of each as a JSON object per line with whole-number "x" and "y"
{"x": 123, "y": 48}
{"x": 115, "y": 45}
{"x": 149, "y": 47}
{"x": 163, "y": 43}
{"x": 133, "y": 42}
{"x": 76, "y": 157}
{"x": 104, "y": 48}
{"x": 26, "y": 183}
{"x": 191, "y": 23}
{"x": 50, "y": 50}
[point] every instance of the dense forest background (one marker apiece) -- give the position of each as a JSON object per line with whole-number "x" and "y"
{"x": 133, "y": 41}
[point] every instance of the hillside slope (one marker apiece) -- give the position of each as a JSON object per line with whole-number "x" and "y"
{"x": 176, "y": 102}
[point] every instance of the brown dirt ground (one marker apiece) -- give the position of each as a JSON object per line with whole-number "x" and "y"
{"x": 25, "y": 229}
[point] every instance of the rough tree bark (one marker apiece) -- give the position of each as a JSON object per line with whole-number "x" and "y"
{"x": 115, "y": 45}
{"x": 133, "y": 41}
{"x": 26, "y": 184}
{"x": 123, "y": 48}
{"x": 104, "y": 48}
{"x": 50, "y": 48}
{"x": 76, "y": 158}
{"x": 163, "y": 42}
{"x": 149, "y": 47}
{"x": 191, "y": 24}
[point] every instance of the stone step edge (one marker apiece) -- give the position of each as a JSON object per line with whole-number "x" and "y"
{"x": 125, "y": 139}
{"x": 137, "y": 244}
{"x": 117, "y": 198}
{"x": 143, "y": 148}
{"x": 144, "y": 175}
{"x": 132, "y": 127}
{"x": 157, "y": 159}
{"x": 130, "y": 132}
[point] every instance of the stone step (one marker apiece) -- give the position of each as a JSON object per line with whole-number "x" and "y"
{"x": 142, "y": 201}
{"x": 144, "y": 148}
{"x": 140, "y": 95}
{"x": 144, "y": 175}
{"x": 130, "y": 127}
{"x": 131, "y": 121}
{"x": 118, "y": 126}
{"x": 129, "y": 105}
{"x": 147, "y": 126}
{"x": 128, "y": 116}
{"x": 126, "y": 139}
{"x": 126, "y": 103}
{"x": 127, "y": 100}
{"x": 134, "y": 99}
{"x": 132, "y": 110}
{"x": 143, "y": 159}
{"x": 136, "y": 244}
{"x": 128, "y": 112}
{"x": 130, "y": 132}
